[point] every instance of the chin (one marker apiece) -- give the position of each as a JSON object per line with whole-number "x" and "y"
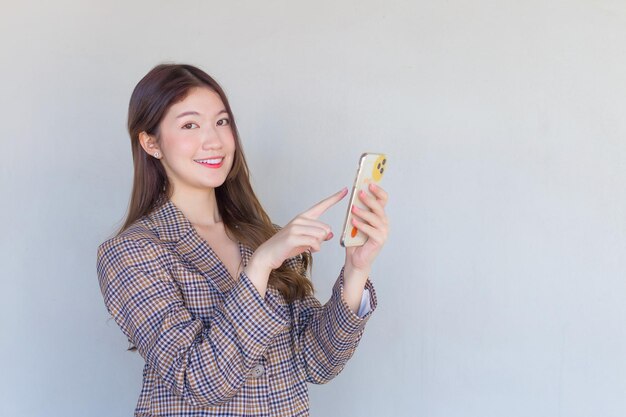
{"x": 214, "y": 184}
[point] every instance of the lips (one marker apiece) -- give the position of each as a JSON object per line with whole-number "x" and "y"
{"x": 211, "y": 162}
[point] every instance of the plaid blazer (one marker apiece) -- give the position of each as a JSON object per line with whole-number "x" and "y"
{"x": 212, "y": 345}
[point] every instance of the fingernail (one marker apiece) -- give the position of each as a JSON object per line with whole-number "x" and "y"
{"x": 330, "y": 236}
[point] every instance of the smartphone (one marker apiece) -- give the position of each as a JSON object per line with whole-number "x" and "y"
{"x": 372, "y": 167}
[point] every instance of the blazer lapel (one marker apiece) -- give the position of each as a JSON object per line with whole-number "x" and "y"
{"x": 174, "y": 227}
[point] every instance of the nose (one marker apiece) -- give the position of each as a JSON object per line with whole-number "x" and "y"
{"x": 211, "y": 139}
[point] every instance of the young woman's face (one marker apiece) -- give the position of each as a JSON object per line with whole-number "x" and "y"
{"x": 197, "y": 143}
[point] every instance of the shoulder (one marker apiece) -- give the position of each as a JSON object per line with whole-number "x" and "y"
{"x": 137, "y": 233}
{"x": 132, "y": 262}
{"x": 138, "y": 241}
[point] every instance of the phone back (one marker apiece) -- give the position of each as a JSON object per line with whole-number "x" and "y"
{"x": 371, "y": 170}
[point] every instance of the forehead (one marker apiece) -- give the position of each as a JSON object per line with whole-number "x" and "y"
{"x": 200, "y": 99}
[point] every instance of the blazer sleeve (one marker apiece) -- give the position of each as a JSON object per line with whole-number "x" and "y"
{"x": 206, "y": 364}
{"x": 326, "y": 336}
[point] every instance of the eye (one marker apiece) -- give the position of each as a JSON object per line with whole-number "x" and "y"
{"x": 223, "y": 122}
{"x": 189, "y": 125}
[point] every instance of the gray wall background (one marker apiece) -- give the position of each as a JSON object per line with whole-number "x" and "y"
{"x": 502, "y": 286}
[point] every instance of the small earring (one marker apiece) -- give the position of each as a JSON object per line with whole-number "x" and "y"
{"x": 157, "y": 155}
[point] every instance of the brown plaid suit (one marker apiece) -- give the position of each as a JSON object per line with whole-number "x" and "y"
{"x": 212, "y": 345}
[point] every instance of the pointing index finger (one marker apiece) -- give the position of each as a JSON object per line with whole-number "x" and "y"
{"x": 321, "y": 207}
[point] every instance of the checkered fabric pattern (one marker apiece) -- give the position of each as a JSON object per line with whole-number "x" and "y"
{"x": 212, "y": 345}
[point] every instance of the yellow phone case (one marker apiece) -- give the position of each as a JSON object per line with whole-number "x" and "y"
{"x": 372, "y": 167}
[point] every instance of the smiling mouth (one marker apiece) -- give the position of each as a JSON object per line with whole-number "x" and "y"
{"x": 211, "y": 162}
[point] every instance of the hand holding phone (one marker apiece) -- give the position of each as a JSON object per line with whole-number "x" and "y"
{"x": 371, "y": 169}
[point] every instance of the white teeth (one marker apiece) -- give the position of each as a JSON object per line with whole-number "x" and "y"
{"x": 210, "y": 161}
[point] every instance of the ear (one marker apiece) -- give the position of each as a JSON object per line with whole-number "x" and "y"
{"x": 148, "y": 143}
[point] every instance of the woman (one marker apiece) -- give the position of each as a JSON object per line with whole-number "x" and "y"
{"x": 214, "y": 296}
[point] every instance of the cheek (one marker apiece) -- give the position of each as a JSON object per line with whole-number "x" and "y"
{"x": 178, "y": 145}
{"x": 231, "y": 141}
{"x": 232, "y": 149}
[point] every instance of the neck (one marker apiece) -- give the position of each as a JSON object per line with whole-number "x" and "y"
{"x": 199, "y": 207}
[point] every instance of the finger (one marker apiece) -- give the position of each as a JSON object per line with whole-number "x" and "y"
{"x": 319, "y": 209}
{"x": 371, "y": 202}
{"x": 300, "y": 220}
{"x": 379, "y": 193}
{"x": 373, "y": 234}
{"x": 369, "y": 217}
{"x": 313, "y": 231}
{"x": 308, "y": 244}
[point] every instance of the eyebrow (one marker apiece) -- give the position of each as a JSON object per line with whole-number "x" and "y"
{"x": 195, "y": 113}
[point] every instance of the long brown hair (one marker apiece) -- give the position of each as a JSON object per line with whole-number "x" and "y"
{"x": 243, "y": 216}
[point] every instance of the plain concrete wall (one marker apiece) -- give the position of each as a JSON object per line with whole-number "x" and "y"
{"x": 502, "y": 286}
